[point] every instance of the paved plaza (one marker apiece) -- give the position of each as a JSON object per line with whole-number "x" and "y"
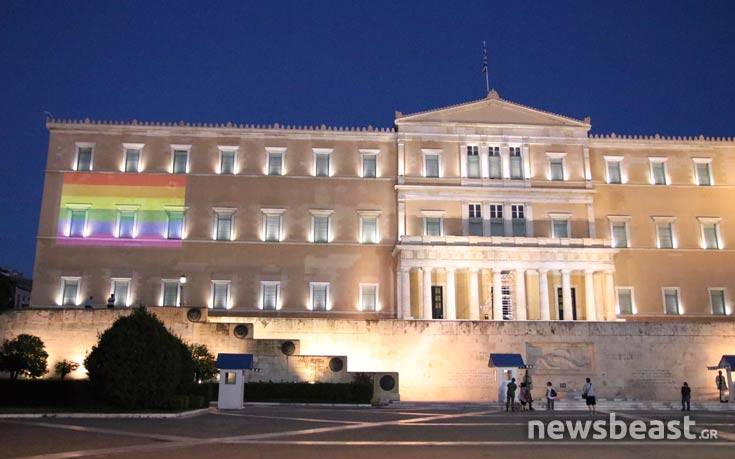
{"x": 400, "y": 431}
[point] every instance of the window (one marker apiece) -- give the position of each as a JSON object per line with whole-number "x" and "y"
{"x": 69, "y": 291}
{"x": 431, "y": 165}
{"x": 269, "y": 295}
{"x": 559, "y": 225}
{"x": 369, "y": 227}
{"x": 717, "y": 301}
{"x": 171, "y": 293}
{"x": 658, "y": 171}
{"x": 702, "y": 171}
{"x": 671, "y": 300}
{"x": 473, "y": 161}
{"x": 132, "y": 159}
{"x": 175, "y": 228}
{"x": 433, "y": 226}
{"x": 121, "y": 288}
{"x": 275, "y": 163}
{"x": 223, "y": 222}
{"x": 495, "y": 168}
{"x": 126, "y": 224}
{"x": 625, "y": 300}
{"x": 710, "y": 233}
{"x": 619, "y": 232}
{"x": 368, "y": 297}
{"x": 556, "y": 166}
{"x": 319, "y": 296}
{"x": 227, "y": 162}
{"x": 77, "y": 222}
{"x": 612, "y": 164}
{"x": 665, "y": 234}
{"x": 497, "y": 227}
{"x": 369, "y": 165}
{"x": 518, "y": 219}
{"x": 84, "y": 158}
{"x": 320, "y": 225}
{"x": 272, "y": 227}
{"x": 321, "y": 162}
{"x": 221, "y": 294}
{"x": 516, "y": 163}
{"x": 475, "y": 220}
{"x": 181, "y": 162}
{"x": 230, "y": 377}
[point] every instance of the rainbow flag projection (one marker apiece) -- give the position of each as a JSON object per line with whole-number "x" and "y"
{"x": 121, "y": 209}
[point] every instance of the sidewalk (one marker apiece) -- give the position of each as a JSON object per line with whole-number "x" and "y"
{"x": 577, "y": 405}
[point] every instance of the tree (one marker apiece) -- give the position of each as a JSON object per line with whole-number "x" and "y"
{"x": 205, "y": 368}
{"x": 138, "y": 363}
{"x": 64, "y": 367}
{"x": 23, "y": 356}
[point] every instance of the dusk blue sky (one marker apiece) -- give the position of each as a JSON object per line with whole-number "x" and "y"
{"x": 641, "y": 67}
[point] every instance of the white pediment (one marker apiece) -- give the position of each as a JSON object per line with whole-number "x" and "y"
{"x": 491, "y": 110}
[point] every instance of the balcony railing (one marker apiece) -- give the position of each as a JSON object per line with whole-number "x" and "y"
{"x": 506, "y": 241}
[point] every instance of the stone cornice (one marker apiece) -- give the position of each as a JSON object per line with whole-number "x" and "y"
{"x": 615, "y": 140}
{"x": 223, "y": 129}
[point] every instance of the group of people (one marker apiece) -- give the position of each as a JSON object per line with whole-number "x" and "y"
{"x": 89, "y": 304}
{"x": 588, "y": 394}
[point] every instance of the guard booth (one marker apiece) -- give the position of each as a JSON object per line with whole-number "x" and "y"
{"x": 726, "y": 365}
{"x": 232, "y": 368}
{"x": 506, "y": 367}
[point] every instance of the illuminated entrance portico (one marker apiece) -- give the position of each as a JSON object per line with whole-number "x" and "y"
{"x": 482, "y": 280}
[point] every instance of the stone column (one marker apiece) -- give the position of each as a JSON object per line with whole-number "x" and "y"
{"x": 543, "y": 293}
{"x": 451, "y": 312}
{"x": 589, "y": 295}
{"x": 484, "y": 161}
{"x": 566, "y": 293}
{"x": 401, "y": 219}
{"x": 520, "y": 296}
{"x": 399, "y": 289}
{"x": 426, "y": 311}
{"x": 406, "y": 293}
{"x": 497, "y": 295}
{"x": 474, "y": 295}
{"x": 609, "y": 296}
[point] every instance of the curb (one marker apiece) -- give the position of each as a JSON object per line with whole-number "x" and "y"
{"x": 338, "y": 405}
{"x": 182, "y": 414}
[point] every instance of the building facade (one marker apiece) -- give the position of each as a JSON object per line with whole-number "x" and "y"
{"x": 487, "y": 210}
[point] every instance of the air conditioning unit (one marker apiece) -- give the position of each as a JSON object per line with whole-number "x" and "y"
{"x": 385, "y": 388}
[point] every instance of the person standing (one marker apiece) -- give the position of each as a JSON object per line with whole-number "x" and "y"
{"x": 89, "y": 303}
{"x": 721, "y": 384}
{"x": 686, "y": 397}
{"x": 529, "y": 385}
{"x": 511, "y": 395}
{"x": 111, "y": 301}
{"x": 550, "y": 396}
{"x": 588, "y": 393}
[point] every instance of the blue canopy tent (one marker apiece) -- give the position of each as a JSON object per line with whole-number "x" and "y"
{"x": 506, "y": 361}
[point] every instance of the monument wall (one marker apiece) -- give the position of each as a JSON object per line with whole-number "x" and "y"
{"x": 436, "y": 360}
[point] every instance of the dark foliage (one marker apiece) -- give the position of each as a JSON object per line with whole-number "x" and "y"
{"x": 138, "y": 363}
{"x": 23, "y": 356}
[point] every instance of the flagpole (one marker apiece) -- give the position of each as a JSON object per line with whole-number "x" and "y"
{"x": 485, "y": 68}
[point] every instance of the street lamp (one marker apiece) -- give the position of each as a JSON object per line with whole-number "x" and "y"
{"x": 182, "y": 282}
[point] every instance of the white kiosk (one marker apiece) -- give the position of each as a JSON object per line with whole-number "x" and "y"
{"x": 727, "y": 363}
{"x": 506, "y": 367}
{"x": 232, "y": 379}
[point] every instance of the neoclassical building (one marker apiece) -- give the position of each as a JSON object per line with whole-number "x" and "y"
{"x": 486, "y": 210}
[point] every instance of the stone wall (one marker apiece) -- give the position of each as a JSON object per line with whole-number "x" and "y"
{"x": 436, "y": 360}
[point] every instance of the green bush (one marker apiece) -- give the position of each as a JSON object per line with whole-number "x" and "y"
{"x": 138, "y": 363}
{"x": 179, "y": 403}
{"x": 47, "y": 393}
{"x": 197, "y": 401}
{"x": 205, "y": 368}
{"x": 309, "y": 393}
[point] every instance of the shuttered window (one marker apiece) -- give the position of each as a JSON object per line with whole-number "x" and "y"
{"x": 175, "y": 228}
{"x": 497, "y": 227}
{"x": 665, "y": 235}
{"x": 518, "y": 219}
{"x": 275, "y": 163}
{"x": 227, "y": 162}
{"x": 126, "y": 224}
{"x": 671, "y": 300}
{"x": 322, "y": 164}
{"x": 69, "y": 292}
{"x": 516, "y": 163}
{"x": 321, "y": 228}
{"x": 625, "y": 300}
{"x": 556, "y": 169}
{"x": 433, "y": 226}
{"x": 473, "y": 161}
{"x": 132, "y": 159}
{"x": 613, "y": 172}
{"x": 77, "y": 223}
{"x": 121, "y": 287}
{"x": 223, "y": 222}
{"x": 709, "y": 233}
{"x": 181, "y": 158}
{"x": 619, "y": 234}
{"x": 319, "y": 296}
{"x": 272, "y": 228}
{"x": 369, "y": 165}
{"x": 432, "y": 165}
{"x": 475, "y": 220}
{"x": 221, "y": 294}
{"x": 270, "y": 295}
{"x": 369, "y": 230}
{"x": 658, "y": 172}
{"x": 170, "y": 293}
{"x": 717, "y": 299}
{"x": 368, "y": 297}
{"x": 84, "y": 159}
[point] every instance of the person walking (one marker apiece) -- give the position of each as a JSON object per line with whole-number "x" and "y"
{"x": 686, "y": 397}
{"x": 550, "y": 396}
{"x": 510, "y": 396}
{"x": 588, "y": 394}
{"x": 721, "y": 384}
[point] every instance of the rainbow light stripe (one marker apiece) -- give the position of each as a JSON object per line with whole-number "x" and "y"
{"x": 105, "y": 193}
